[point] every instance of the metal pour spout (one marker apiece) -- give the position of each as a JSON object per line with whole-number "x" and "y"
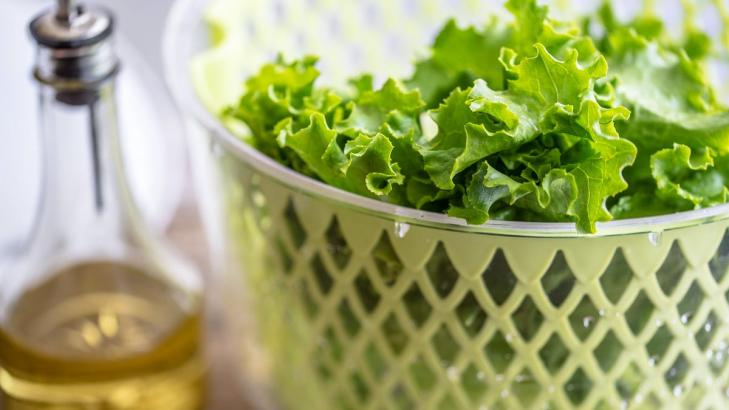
{"x": 74, "y": 45}
{"x": 66, "y": 11}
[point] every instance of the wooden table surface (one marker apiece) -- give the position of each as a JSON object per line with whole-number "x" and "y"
{"x": 223, "y": 392}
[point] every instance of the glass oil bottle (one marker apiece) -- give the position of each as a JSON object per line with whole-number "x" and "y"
{"x": 98, "y": 313}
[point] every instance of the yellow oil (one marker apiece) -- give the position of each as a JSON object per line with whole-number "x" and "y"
{"x": 101, "y": 335}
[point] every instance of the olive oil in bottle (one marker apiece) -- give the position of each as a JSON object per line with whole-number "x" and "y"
{"x": 77, "y": 341}
{"x": 98, "y": 313}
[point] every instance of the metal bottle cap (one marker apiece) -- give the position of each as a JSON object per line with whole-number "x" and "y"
{"x": 74, "y": 46}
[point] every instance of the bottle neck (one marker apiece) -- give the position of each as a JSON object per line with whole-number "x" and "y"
{"x": 83, "y": 184}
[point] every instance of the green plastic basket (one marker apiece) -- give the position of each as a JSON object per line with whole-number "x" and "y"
{"x": 343, "y": 302}
{"x": 359, "y": 310}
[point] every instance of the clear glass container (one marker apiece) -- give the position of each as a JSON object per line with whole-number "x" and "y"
{"x": 98, "y": 312}
{"x": 345, "y": 302}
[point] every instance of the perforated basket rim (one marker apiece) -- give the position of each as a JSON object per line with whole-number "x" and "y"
{"x": 186, "y": 19}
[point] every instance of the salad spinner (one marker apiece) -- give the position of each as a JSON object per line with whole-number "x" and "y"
{"x": 344, "y": 302}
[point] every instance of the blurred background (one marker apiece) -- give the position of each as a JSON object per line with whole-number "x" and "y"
{"x": 154, "y": 144}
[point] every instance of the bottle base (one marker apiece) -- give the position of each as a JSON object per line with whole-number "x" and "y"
{"x": 178, "y": 388}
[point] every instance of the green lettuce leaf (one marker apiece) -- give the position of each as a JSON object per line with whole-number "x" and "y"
{"x": 460, "y": 56}
{"x": 471, "y": 127}
{"x": 364, "y": 166}
{"x": 530, "y": 120}
{"x": 667, "y": 90}
{"x": 369, "y": 161}
{"x": 317, "y": 146}
{"x": 642, "y": 203}
{"x": 551, "y": 198}
{"x": 690, "y": 178}
{"x": 372, "y": 108}
{"x": 478, "y": 122}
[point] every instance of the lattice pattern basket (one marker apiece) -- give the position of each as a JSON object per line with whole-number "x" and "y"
{"x": 351, "y": 304}
{"x": 358, "y": 311}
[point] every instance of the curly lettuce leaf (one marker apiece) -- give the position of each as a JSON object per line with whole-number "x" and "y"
{"x": 460, "y": 56}
{"x": 317, "y": 147}
{"x": 530, "y": 120}
{"x": 369, "y": 160}
{"x": 667, "y": 90}
{"x": 598, "y": 177}
{"x": 690, "y": 178}
{"x": 364, "y": 166}
{"x": 552, "y": 197}
{"x": 642, "y": 203}
{"x": 478, "y": 122}
{"x": 473, "y": 124}
{"x": 372, "y": 108}
{"x": 668, "y": 93}
{"x": 594, "y": 155}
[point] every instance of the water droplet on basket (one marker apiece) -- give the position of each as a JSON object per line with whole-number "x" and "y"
{"x": 508, "y": 337}
{"x": 587, "y": 321}
{"x": 522, "y": 378}
{"x": 401, "y": 229}
{"x": 471, "y": 318}
{"x": 551, "y": 389}
{"x": 638, "y": 398}
{"x": 707, "y": 327}
{"x": 480, "y": 376}
{"x": 717, "y": 358}
{"x": 652, "y": 361}
{"x": 499, "y": 378}
{"x": 601, "y": 312}
{"x": 452, "y": 373}
{"x": 659, "y": 323}
{"x": 504, "y": 393}
{"x": 258, "y": 199}
{"x": 685, "y": 318}
{"x": 655, "y": 238}
{"x": 677, "y": 390}
{"x": 624, "y": 404}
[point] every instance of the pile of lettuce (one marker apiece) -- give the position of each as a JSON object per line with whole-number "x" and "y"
{"x": 532, "y": 119}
